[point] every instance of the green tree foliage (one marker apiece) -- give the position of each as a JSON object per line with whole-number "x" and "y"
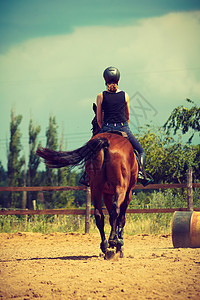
{"x": 196, "y": 163}
{"x": 168, "y": 160}
{"x": 80, "y": 196}
{"x": 154, "y": 147}
{"x": 15, "y": 162}
{"x": 51, "y": 174}
{"x": 185, "y": 120}
{"x": 3, "y": 182}
{"x": 179, "y": 158}
{"x": 34, "y": 160}
{"x": 3, "y": 174}
{"x": 65, "y": 178}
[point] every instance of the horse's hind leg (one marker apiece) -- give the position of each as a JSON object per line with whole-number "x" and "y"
{"x": 99, "y": 217}
{"x": 114, "y": 215}
{"x": 120, "y": 228}
{"x": 122, "y": 221}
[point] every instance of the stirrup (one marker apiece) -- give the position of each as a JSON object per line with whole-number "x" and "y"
{"x": 147, "y": 182}
{"x": 144, "y": 180}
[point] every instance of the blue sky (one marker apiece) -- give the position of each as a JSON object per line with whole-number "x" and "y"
{"x": 53, "y": 53}
{"x": 21, "y": 20}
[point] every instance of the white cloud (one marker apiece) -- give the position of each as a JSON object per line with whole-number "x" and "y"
{"x": 60, "y": 74}
{"x": 156, "y": 44}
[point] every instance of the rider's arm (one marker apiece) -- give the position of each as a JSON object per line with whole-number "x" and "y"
{"x": 127, "y": 109}
{"x": 99, "y": 109}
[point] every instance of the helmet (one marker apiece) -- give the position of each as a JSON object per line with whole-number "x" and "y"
{"x": 111, "y": 75}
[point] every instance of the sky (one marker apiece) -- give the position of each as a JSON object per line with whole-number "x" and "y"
{"x": 53, "y": 54}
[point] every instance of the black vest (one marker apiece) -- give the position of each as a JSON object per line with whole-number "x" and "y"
{"x": 114, "y": 105}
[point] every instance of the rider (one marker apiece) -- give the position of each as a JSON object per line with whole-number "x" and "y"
{"x": 113, "y": 113}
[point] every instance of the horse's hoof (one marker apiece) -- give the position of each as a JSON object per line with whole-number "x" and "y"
{"x": 113, "y": 243}
{"x": 104, "y": 246}
{"x": 118, "y": 243}
{"x": 109, "y": 254}
{"x": 112, "y": 255}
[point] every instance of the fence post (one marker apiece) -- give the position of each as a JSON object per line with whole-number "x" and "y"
{"x": 34, "y": 204}
{"x": 87, "y": 210}
{"x": 189, "y": 190}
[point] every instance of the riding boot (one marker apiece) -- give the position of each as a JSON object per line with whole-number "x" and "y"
{"x": 143, "y": 177}
{"x": 84, "y": 179}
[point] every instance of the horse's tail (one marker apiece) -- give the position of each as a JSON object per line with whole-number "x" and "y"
{"x": 56, "y": 159}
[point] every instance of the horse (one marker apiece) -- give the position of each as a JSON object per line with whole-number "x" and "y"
{"x": 112, "y": 171}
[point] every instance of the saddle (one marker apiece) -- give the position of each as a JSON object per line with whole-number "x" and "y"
{"x": 122, "y": 133}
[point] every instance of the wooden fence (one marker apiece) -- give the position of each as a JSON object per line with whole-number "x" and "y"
{"x": 189, "y": 185}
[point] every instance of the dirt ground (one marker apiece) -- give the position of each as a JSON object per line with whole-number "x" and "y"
{"x": 68, "y": 266}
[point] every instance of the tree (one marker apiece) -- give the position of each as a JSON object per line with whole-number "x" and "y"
{"x": 15, "y": 163}
{"x": 34, "y": 160}
{"x": 154, "y": 142}
{"x": 80, "y": 196}
{"x": 3, "y": 182}
{"x": 3, "y": 173}
{"x": 65, "y": 177}
{"x": 179, "y": 158}
{"x": 167, "y": 159}
{"x": 184, "y": 119}
{"x": 196, "y": 163}
{"x": 52, "y": 143}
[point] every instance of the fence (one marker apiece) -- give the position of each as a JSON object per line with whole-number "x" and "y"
{"x": 189, "y": 185}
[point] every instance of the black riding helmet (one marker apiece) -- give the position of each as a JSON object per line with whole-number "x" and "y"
{"x": 111, "y": 75}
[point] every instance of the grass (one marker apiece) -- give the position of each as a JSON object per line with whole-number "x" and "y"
{"x": 135, "y": 224}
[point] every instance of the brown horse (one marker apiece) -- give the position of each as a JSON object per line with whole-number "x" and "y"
{"x": 112, "y": 175}
{"x": 112, "y": 170}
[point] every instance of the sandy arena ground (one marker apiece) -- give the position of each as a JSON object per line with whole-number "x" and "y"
{"x": 68, "y": 266}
